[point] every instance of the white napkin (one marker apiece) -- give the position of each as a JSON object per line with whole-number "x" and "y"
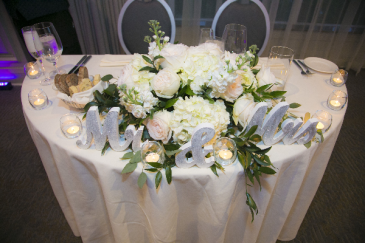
{"x": 115, "y": 60}
{"x": 85, "y": 96}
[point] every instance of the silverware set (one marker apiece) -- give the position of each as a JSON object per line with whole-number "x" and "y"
{"x": 81, "y": 63}
{"x": 302, "y": 66}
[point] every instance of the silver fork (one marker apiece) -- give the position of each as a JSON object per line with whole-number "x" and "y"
{"x": 302, "y": 72}
{"x": 305, "y": 66}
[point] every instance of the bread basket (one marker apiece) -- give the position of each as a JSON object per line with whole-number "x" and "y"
{"x": 74, "y": 104}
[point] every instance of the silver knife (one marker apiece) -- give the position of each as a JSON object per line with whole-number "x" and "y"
{"x": 77, "y": 64}
{"x": 82, "y": 64}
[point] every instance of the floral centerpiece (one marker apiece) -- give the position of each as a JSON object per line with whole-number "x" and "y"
{"x": 175, "y": 88}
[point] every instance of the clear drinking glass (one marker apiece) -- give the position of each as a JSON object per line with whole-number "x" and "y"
{"x": 235, "y": 38}
{"x": 46, "y": 38}
{"x": 205, "y": 34}
{"x": 70, "y": 125}
{"x": 32, "y": 49}
{"x": 217, "y": 40}
{"x": 225, "y": 151}
{"x": 38, "y": 99}
{"x": 279, "y": 61}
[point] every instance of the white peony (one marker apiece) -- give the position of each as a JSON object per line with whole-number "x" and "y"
{"x": 159, "y": 126}
{"x": 233, "y": 91}
{"x": 126, "y": 76}
{"x": 166, "y": 83}
{"x": 212, "y": 48}
{"x": 242, "y": 109}
{"x": 193, "y": 111}
{"x": 246, "y": 77}
{"x": 174, "y": 56}
{"x": 265, "y": 76}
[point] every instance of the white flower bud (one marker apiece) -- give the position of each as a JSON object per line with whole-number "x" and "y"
{"x": 154, "y": 37}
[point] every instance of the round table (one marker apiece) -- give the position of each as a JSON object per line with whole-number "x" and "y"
{"x": 102, "y": 205}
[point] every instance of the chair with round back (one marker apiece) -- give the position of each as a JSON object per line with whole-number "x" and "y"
{"x": 253, "y": 15}
{"x": 133, "y": 23}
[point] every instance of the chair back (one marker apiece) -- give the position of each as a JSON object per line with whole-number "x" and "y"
{"x": 133, "y": 24}
{"x": 253, "y": 15}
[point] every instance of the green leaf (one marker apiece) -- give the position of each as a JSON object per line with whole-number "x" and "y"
{"x": 88, "y": 105}
{"x": 182, "y": 91}
{"x": 147, "y": 59}
{"x": 263, "y": 88}
{"x": 171, "y": 102}
{"x": 250, "y": 176}
{"x": 257, "y": 176}
{"x": 189, "y": 91}
{"x": 256, "y": 97}
{"x": 110, "y": 90}
{"x": 248, "y": 159}
{"x": 267, "y": 159}
{"x": 239, "y": 142}
{"x": 136, "y": 157}
{"x": 267, "y": 170}
{"x": 294, "y": 105}
{"x": 256, "y": 138}
{"x": 155, "y": 164}
{"x": 150, "y": 69}
{"x": 142, "y": 179}
{"x": 214, "y": 169}
{"x": 250, "y": 132}
{"x": 264, "y": 151}
{"x": 258, "y": 160}
{"x": 157, "y": 57}
{"x": 128, "y": 155}
{"x": 168, "y": 174}
{"x": 255, "y": 71}
{"x": 129, "y": 168}
{"x": 171, "y": 146}
{"x": 172, "y": 152}
{"x": 241, "y": 159}
{"x": 106, "y": 146}
{"x": 251, "y": 202}
{"x": 98, "y": 96}
{"x": 152, "y": 170}
{"x": 277, "y": 94}
{"x": 107, "y": 77}
{"x": 158, "y": 179}
{"x": 308, "y": 145}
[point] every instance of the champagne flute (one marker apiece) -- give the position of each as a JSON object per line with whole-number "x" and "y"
{"x": 32, "y": 49}
{"x": 235, "y": 38}
{"x": 46, "y": 37}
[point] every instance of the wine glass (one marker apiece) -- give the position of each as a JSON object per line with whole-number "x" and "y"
{"x": 205, "y": 34}
{"x": 28, "y": 38}
{"x": 46, "y": 38}
{"x": 235, "y": 38}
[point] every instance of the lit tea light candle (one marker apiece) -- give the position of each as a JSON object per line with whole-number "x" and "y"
{"x": 335, "y": 103}
{"x": 73, "y": 129}
{"x": 152, "y": 157}
{"x": 33, "y": 72}
{"x": 225, "y": 154}
{"x": 337, "y": 80}
{"x": 39, "y": 102}
{"x": 320, "y": 126}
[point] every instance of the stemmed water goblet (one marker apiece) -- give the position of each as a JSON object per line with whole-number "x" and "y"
{"x": 32, "y": 49}
{"x": 48, "y": 42}
{"x": 235, "y": 38}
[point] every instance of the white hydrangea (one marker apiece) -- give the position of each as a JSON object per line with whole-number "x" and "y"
{"x": 220, "y": 79}
{"x": 141, "y": 79}
{"x": 193, "y": 111}
{"x": 138, "y": 102}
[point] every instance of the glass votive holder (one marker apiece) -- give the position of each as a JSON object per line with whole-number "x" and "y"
{"x": 339, "y": 78}
{"x": 152, "y": 152}
{"x": 325, "y": 120}
{"x": 38, "y": 99}
{"x": 337, "y": 100}
{"x": 32, "y": 70}
{"x": 71, "y": 125}
{"x": 225, "y": 151}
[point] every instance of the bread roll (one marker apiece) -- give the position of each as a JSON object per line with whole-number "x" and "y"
{"x": 83, "y": 73}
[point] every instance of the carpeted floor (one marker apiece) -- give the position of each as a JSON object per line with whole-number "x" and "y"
{"x": 29, "y": 211}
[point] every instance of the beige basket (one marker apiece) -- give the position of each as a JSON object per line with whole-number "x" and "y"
{"x": 74, "y": 104}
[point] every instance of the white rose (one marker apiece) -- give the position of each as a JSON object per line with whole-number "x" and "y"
{"x": 174, "y": 56}
{"x": 233, "y": 91}
{"x": 265, "y": 76}
{"x": 246, "y": 77}
{"x": 198, "y": 51}
{"x": 126, "y": 76}
{"x": 166, "y": 83}
{"x": 159, "y": 126}
{"x": 242, "y": 109}
{"x": 138, "y": 111}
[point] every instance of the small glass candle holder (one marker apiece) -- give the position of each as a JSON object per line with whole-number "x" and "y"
{"x": 32, "y": 70}
{"x": 325, "y": 120}
{"x": 339, "y": 78}
{"x": 152, "y": 152}
{"x": 337, "y": 100}
{"x": 225, "y": 151}
{"x": 71, "y": 125}
{"x": 38, "y": 99}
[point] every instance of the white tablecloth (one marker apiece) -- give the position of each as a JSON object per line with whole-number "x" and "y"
{"x": 101, "y": 205}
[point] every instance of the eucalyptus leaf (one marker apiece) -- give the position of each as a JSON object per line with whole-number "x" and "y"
{"x": 158, "y": 179}
{"x": 107, "y": 77}
{"x": 249, "y": 175}
{"x": 147, "y": 59}
{"x": 172, "y": 152}
{"x": 170, "y": 103}
{"x": 129, "y": 168}
{"x": 214, "y": 169}
{"x": 294, "y": 105}
{"x": 136, "y": 157}
{"x": 142, "y": 179}
{"x": 128, "y": 155}
{"x": 155, "y": 165}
